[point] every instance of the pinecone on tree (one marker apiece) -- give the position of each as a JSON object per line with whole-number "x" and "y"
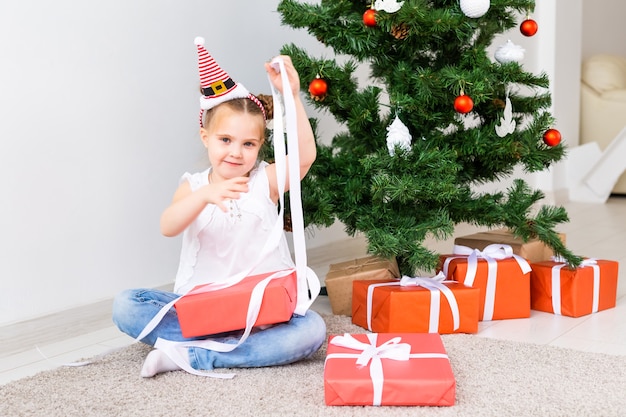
{"x": 400, "y": 31}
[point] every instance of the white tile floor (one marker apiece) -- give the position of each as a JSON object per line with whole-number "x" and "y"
{"x": 595, "y": 230}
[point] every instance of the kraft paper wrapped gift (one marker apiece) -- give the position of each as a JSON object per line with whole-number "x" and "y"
{"x": 340, "y": 276}
{"x": 533, "y": 251}
{"x": 388, "y": 369}
{"x": 502, "y": 277}
{"x": 592, "y": 287}
{"x": 415, "y": 305}
{"x": 203, "y": 313}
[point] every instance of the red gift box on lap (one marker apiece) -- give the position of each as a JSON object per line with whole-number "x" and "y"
{"x": 436, "y": 307}
{"x": 592, "y": 287}
{"x": 388, "y": 369}
{"x": 202, "y": 312}
{"x": 502, "y": 277}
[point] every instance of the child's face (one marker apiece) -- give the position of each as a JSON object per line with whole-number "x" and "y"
{"x": 233, "y": 140}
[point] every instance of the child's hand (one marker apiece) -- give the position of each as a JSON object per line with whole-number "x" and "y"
{"x": 230, "y": 189}
{"x": 292, "y": 75}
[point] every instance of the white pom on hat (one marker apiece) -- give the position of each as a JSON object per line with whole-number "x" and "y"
{"x": 199, "y": 40}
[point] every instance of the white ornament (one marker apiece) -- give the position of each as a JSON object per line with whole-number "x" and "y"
{"x": 398, "y": 136}
{"x": 475, "y": 8}
{"x": 509, "y": 52}
{"x": 389, "y": 6}
{"x": 507, "y": 124}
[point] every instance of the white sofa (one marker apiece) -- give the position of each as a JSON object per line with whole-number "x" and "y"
{"x": 603, "y": 103}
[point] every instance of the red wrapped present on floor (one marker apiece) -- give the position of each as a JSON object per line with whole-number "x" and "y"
{"x": 388, "y": 369}
{"x": 415, "y": 305}
{"x": 558, "y": 289}
{"x": 204, "y": 312}
{"x": 502, "y": 277}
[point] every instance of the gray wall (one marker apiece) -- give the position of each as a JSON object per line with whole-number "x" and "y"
{"x": 98, "y": 120}
{"x": 603, "y": 27}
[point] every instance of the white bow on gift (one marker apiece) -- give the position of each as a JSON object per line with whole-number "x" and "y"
{"x": 372, "y": 354}
{"x": 556, "y": 282}
{"x": 391, "y": 349}
{"x": 436, "y": 288}
{"x": 491, "y": 253}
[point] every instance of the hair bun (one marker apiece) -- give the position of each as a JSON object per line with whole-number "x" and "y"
{"x": 268, "y": 104}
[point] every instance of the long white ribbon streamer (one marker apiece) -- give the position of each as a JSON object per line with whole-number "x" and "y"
{"x": 308, "y": 289}
{"x": 491, "y": 253}
{"x": 436, "y": 288}
{"x": 556, "y": 283}
{"x": 372, "y": 354}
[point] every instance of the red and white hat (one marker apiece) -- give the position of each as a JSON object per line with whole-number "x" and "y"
{"x": 217, "y": 86}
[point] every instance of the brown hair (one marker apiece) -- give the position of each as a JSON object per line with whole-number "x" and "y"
{"x": 244, "y": 105}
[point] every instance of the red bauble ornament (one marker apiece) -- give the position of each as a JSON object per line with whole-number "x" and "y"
{"x": 369, "y": 17}
{"x": 463, "y": 104}
{"x": 528, "y": 27}
{"x": 318, "y": 87}
{"x": 552, "y": 137}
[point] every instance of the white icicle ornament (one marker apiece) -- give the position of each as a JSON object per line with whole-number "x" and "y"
{"x": 509, "y": 52}
{"x": 398, "y": 136}
{"x": 507, "y": 123}
{"x": 475, "y": 8}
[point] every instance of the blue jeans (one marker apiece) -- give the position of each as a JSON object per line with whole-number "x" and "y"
{"x": 280, "y": 344}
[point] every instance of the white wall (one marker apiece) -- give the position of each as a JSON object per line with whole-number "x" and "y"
{"x": 559, "y": 55}
{"x": 98, "y": 119}
{"x": 603, "y": 27}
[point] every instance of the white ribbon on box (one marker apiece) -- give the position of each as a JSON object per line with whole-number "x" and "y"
{"x": 436, "y": 288}
{"x": 492, "y": 253}
{"x": 556, "y": 282}
{"x": 371, "y": 353}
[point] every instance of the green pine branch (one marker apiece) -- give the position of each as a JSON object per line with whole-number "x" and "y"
{"x": 420, "y": 58}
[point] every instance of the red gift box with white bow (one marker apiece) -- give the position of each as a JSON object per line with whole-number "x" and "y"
{"x": 416, "y": 305}
{"x": 558, "y": 289}
{"x": 502, "y": 277}
{"x": 388, "y": 369}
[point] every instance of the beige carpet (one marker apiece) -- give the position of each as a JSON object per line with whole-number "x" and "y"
{"x": 494, "y": 378}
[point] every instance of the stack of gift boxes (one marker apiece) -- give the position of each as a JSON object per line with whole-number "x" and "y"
{"x": 489, "y": 276}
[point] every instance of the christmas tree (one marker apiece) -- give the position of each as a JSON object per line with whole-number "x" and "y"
{"x": 437, "y": 117}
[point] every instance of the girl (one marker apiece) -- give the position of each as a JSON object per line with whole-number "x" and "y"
{"x": 226, "y": 214}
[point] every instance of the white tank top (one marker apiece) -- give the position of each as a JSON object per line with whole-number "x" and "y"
{"x": 218, "y": 245}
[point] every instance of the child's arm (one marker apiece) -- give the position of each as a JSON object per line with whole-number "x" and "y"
{"x": 306, "y": 139}
{"x": 187, "y": 205}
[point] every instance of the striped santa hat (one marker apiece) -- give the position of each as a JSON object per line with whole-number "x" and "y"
{"x": 217, "y": 86}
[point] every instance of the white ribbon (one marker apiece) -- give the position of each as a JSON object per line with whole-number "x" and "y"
{"x": 436, "y": 288}
{"x": 371, "y": 353}
{"x": 556, "y": 282}
{"x": 308, "y": 287}
{"x": 491, "y": 253}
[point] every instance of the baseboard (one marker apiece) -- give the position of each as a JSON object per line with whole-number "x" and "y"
{"x": 25, "y": 335}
